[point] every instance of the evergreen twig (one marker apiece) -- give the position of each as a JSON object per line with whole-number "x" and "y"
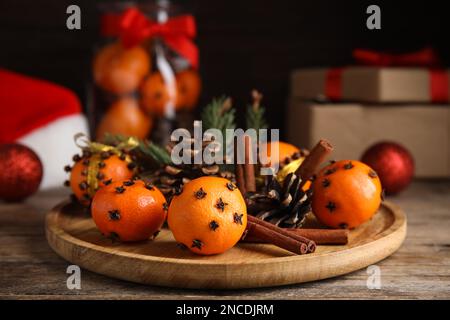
{"x": 159, "y": 154}
{"x": 145, "y": 147}
{"x": 219, "y": 114}
{"x": 255, "y": 116}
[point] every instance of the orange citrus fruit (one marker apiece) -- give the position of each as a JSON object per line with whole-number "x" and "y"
{"x": 285, "y": 151}
{"x": 346, "y": 194}
{"x": 93, "y": 171}
{"x": 155, "y": 94}
{"x": 188, "y": 89}
{"x": 120, "y": 70}
{"x": 126, "y": 118}
{"x": 209, "y": 216}
{"x": 129, "y": 210}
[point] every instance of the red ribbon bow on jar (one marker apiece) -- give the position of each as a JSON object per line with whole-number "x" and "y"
{"x": 177, "y": 32}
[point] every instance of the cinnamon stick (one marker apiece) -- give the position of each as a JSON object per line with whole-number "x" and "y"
{"x": 240, "y": 181}
{"x": 276, "y": 238}
{"x": 312, "y": 162}
{"x": 249, "y": 167}
{"x": 239, "y": 170}
{"x": 311, "y": 245}
{"x": 319, "y": 236}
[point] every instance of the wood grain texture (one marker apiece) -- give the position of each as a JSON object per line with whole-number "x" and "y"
{"x": 419, "y": 269}
{"x": 73, "y": 235}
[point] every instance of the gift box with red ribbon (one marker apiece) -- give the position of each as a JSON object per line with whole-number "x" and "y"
{"x": 378, "y": 78}
{"x": 401, "y": 98}
{"x": 353, "y": 127}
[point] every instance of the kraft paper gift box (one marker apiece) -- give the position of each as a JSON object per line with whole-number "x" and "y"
{"x": 352, "y": 128}
{"x": 372, "y": 84}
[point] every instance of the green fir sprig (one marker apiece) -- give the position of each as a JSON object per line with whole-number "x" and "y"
{"x": 144, "y": 148}
{"x": 219, "y": 114}
{"x": 255, "y": 115}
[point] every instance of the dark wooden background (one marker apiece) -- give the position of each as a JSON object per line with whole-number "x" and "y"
{"x": 243, "y": 44}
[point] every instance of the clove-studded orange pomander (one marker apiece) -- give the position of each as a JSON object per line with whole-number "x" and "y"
{"x": 125, "y": 117}
{"x": 120, "y": 70}
{"x": 92, "y": 171}
{"x": 285, "y": 152}
{"x": 346, "y": 194}
{"x": 129, "y": 210}
{"x": 208, "y": 216}
{"x": 289, "y": 158}
{"x": 188, "y": 89}
{"x": 155, "y": 94}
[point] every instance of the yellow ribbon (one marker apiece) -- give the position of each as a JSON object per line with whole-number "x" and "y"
{"x": 97, "y": 147}
{"x": 290, "y": 167}
{"x": 83, "y": 142}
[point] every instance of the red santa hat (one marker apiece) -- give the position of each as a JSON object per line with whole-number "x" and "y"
{"x": 43, "y": 116}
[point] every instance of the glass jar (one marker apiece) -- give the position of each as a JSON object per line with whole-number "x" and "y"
{"x": 145, "y": 78}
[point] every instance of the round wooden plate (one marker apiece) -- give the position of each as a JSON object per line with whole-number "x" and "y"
{"x": 73, "y": 235}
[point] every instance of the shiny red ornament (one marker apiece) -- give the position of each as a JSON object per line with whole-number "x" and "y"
{"x": 393, "y": 163}
{"x": 20, "y": 172}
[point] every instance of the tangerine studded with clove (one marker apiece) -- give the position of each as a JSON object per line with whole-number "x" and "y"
{"x": 346, "y": 194}
{"x": 288, "y": 158}
{"x": 135, "y": 214}
{"x": 285, "y": 151}
{"x": 208, "y": 217}
{"x": 94, "y": 171}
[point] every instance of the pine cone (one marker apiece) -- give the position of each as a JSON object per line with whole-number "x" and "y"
{"x": 284, "y": 205}
{"x": 171, "y": 178}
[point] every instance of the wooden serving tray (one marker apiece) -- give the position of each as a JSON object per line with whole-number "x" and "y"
{"x": 72, "y": 234}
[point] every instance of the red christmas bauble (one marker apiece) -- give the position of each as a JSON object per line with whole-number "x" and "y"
{"x": 393, "y": 163}
{"x": 20, "y": 172}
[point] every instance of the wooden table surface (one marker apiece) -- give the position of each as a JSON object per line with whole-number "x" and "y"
{"x": 29, "y": 269}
